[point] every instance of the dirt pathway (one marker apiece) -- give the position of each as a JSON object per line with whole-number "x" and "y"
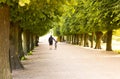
{"x": 69, "y": 62}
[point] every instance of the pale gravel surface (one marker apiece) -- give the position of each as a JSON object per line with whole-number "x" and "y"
{"x": 69, "y": 62}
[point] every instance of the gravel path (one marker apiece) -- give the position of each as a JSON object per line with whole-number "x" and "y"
{"x": 69, "y": 62}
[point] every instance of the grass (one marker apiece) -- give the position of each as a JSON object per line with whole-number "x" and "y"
{"x": 115, "y": 44}
{"x": 117, "y": 51}
{"x": 23, "y": 58}
{"x": 30, "y": 53}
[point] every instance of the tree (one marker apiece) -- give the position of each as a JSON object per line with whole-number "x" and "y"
{"x": 94, "y": 16}
{"x": 34, "y": 16}
{"x": 4, "y": 40}
{"x": 4, "y": 43}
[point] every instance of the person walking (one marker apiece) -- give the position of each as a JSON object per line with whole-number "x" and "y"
{"x": 55, "y": 44}
{"x": 50, "y": 40}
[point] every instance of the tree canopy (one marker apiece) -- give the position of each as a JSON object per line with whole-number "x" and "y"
{"x": 92, "y": 15}
{"x": 37, "y": 16}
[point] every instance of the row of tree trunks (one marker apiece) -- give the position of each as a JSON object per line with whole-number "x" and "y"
{"x": 4, "y": 43}
{"x": 69, "y": 39}
{"x": 21, "y": 43}
{"x": 14, "y": 46}
{"x": 17, "y": 45}
{"x": 29, "y": 41}
{"x": 82, "y": 39}
{"x": 73, "y": 39}
{"x": 61, "y": 38}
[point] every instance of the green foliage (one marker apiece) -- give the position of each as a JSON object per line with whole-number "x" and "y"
{"x": 117, "y": 51}
{"x": 39, "y": 15}
{"x": 12, "y": 2}
{"x": 116, "y": 32}
{"x": 23, "y": 58}
{"x": 56, "y": 31}
{"x": 23, "y": 2}
{"x": 90, "y": 16}
{"x": 30, "y": 53}
{"x": 67, "y": 16}
{"x": 3, "y": 1}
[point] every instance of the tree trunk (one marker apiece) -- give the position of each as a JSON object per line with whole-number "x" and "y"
{"x": 67, "y": 40}
{"x": 98, "y": 39}
{"x": 28, "y": 41}
{"x": 36, "y": 40}
{"x": 20, "y": 48}
{"x": 109, "y": 41}
{"x": 60, "y": 38}
{"x": 31, "y": 42}
{"x": 78, "y": 39}
{"x": 24, "y": 43}
{"x": 81, "y": 39}
{"x": 4, "y": 43}
{"x": 72, "y": 39}
{"x": 63, "y": 39}
{"x": 92, "y": 39}
{"x": 15, "y": 61}
{"x": 86, "y": 44}
{"x": 104, "y": 38}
